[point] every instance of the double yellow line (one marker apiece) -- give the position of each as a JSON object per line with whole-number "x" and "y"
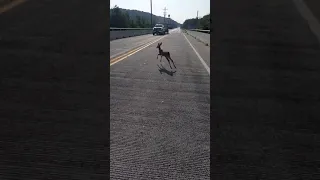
{"x": 131, "y": 52}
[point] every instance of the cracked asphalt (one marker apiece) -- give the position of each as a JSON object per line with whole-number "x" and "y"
{"x": 160, "y": 118}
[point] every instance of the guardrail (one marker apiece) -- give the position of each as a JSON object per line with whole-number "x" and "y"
{"x": 199, "y": 34}
{"x": 200, "y": 30}
{"x": 118, "y": 33}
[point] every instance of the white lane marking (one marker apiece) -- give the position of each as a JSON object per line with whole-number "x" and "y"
{"x": 137, "y": 50}
{"x": 200, "y": 58}
{"x": 308, "y": 15}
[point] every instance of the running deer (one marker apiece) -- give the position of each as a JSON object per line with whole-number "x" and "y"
{"x": 165, "y": 54}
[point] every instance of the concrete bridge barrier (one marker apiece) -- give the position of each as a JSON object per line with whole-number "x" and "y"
{"x": 201, "y": 35}
{"x": 118, "y": 33}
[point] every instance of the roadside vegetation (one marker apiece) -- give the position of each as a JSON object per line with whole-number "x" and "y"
{"x": 121, "y": 19}
{"x": 201, "y": 23}
{"x": 126, "y": 18}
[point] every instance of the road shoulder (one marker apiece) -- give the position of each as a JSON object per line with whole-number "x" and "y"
{"x": 201, "y": 48}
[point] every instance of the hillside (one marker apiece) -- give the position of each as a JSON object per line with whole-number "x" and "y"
{"x": 201, "y": 23}
{"x": 145, "y": 17}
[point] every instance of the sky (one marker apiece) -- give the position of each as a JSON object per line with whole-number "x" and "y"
{"x": 179, "y": 10}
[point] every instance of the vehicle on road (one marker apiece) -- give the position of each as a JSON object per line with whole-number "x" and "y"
{"x": 160, "y": 29}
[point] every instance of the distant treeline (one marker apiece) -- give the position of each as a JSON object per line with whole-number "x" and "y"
{"x": 202, "y": 23}
{"x": 125, "y": 18}
{"x": 121, "y": 19}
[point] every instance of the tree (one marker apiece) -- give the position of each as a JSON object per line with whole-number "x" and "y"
{"x": 143, "y": 23}
{"x": 118, "y": 19}
{"x": 138, "y": 21}
{"x": 132, "y": 24}
{"x": 190, "y": 24}
{"x": 202, "y": 23}
{"x": 205, "y": 22}
{"x": 123, "y": 18}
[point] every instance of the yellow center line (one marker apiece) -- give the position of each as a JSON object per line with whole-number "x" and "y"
{"x": 125, "y": 55}
{"x": 11, "y": 5}
{"x": 128, "y": 52}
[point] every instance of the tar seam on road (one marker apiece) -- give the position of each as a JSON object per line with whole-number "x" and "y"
{"x": 122, "y": 57}
{"x": 308, "y": 15}
{"x": 200, "y": 58}
{"x": 11, "y": 5}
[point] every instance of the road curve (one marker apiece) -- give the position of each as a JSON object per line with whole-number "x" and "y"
{"x": 52, "y": 90}
{"x": 160, "y": 117}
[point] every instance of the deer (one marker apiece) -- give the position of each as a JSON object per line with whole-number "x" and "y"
{"x": 165, "y": 54}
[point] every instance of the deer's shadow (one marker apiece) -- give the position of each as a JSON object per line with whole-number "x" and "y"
{"x": 163, "y": 69}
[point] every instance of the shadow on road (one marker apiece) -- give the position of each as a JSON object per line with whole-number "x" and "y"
{"x": 163, "y": 69}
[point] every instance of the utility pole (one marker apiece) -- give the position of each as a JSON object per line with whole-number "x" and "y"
{"x": 197, "y": 20}
{"x": 164, "y": 14}
{"x": 151, "y": 13}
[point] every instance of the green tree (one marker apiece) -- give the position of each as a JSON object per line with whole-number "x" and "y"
{"x": 190, "y": 24}
{"x": 138, "y": 21}
{"x": 132, "y": 24}
{"x": 143, "y": 23}
{"x": 202, "y": 23}
{"x": 205, "y": 22}
{"x": 126, "y": 19}
{"x": 118, "y": 19}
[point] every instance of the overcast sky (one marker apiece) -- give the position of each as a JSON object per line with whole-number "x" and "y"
{"x": 179, "y": 10}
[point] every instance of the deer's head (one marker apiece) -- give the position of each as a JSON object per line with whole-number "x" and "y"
{"x": 159, "y": 44}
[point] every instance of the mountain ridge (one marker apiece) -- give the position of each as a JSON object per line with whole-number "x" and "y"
{"x": 146, "y": 15}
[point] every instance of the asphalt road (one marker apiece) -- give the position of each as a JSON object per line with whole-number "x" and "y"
{"x": 120, "y": 46}
{"x": 160, "y": 118}
{"x": 265, "y": 97}
{"x": 53, "y": 100}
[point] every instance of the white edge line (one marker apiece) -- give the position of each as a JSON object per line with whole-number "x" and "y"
{"x": 308, "y": 15}
{"x": 200, "y": 58}
{"x": 136, "y": 51}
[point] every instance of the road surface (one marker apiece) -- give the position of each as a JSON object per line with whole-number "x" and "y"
{"x": 160, "y": 117}
{"x": 265, "y": 97}
{"x": 53, "y": 100}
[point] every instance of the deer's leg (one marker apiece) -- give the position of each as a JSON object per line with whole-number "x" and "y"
{"x": 168, "y": 61}
{"x": 161, "y": 58}
{"x": 173, "y": 63}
